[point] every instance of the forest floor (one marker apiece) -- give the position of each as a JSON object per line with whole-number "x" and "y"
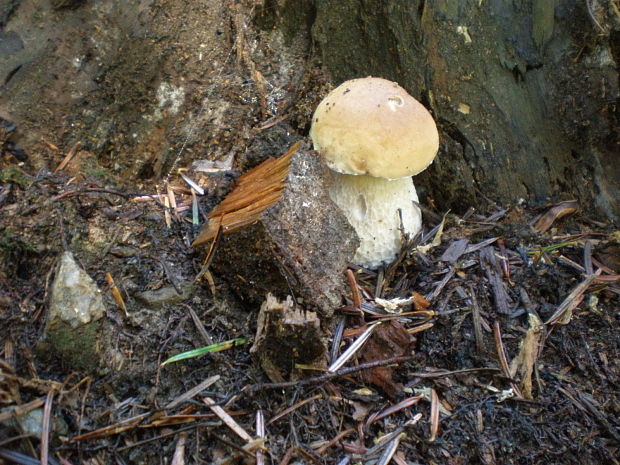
{"x": 514, "y": 351}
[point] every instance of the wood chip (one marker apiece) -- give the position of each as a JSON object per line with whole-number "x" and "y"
{"x": 454, "y": 250}
{"x": 254, "y": 192}
{"x": 489, "y": 264}
{"x": 564, "y": 311}
{"x": 525, "y": 361}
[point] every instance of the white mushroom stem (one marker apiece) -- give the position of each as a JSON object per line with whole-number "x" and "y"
{"x": 379, "y": 209}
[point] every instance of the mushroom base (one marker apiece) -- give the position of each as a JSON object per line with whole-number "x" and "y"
{"x": 380, "y": 210}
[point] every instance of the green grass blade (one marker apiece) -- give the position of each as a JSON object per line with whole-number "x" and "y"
{"x": 220, "y": 346}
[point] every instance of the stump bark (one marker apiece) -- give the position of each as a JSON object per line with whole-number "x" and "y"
{"x": 298, "y": 245}
{"x": 525, "y": 93}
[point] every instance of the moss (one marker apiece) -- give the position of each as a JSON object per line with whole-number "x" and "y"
{"x": 98, "y": 172}
{"x": 77, "y": 347}
{"x": 16, "y": 254}
{"x": 11, "y": 244}
{"x": 14, "y": 175}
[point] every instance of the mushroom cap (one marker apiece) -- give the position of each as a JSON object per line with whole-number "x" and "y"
{"x": 372, "y": 126}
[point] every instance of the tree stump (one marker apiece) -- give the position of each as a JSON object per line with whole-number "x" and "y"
{"x": 279, "y": 232}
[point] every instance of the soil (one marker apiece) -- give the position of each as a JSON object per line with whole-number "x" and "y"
{"x": 136, "y": 91}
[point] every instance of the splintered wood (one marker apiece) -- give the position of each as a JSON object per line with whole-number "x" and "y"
{"x": 280, "y": 233}
{"x": 286, "y": 336}
{"x": 255, "y": 191}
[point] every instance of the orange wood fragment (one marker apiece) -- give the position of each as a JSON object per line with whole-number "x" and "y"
{"x": 255, "y": 191}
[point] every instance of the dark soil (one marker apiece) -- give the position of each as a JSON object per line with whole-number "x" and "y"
{"x": 131, "y": 144}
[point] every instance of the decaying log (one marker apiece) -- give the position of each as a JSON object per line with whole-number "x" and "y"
{"x": 281, "y": 234}
{"x": 287, "y": 335}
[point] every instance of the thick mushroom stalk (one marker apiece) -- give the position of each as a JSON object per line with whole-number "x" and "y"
{"x": 380, "y": 210}
{"x": 375, "y": 136}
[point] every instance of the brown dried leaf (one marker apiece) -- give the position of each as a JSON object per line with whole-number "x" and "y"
{"x": 360, "y": 410}
{"x": 419, "y": 302}
{"x": 390, "y": 339}
{"x": 557, "y": 211}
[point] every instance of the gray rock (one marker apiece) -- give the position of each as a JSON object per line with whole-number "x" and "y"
{"x": 167, "y": 295}
{"x": 76, "y": 299}
{"x": 30, "y": 423}
{"x": 74, "y": 320}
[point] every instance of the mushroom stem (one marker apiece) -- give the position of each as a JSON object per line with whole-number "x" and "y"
{"x": 379, "y": 209}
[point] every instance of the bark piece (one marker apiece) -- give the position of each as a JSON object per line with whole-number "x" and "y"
{"x": 286, "y": 335}
{"x": 525, "y": 361}
{"x": 290, "y": 239}
{"x": 506, "y": 127}
{"x": 489, "y": 264}
{"x": 455, "y": 250}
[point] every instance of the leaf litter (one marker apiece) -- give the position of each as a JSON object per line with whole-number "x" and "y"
{"x": 491, "y": 341}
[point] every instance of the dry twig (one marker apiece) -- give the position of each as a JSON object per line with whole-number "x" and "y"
{"x": 227, "y": 419}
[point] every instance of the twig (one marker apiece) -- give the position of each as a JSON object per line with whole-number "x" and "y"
{"x": 570, "y": 263}
{"x": 234, "y": 446}
{"x": 359, "y": 342}
{"x": 488, "y": 262}
{"x": 321, "y": 450}
{"x": 587, "y": 258}
{"x": 390, "y": 450}
{"x": 435, "y": 292}
{"x": 292, "y": 408}
{"x": 337, "y": 338}
{"x": 476, "y": 320}
{"x": 355, "y": 292}
{"x": 501, "y": 354}
{"x": 211, "y": 253}
{"x": 434, "y": 415}
{"x": 385, "y": 440}
{"x": 45, "y": 427}
{"x": 474, "y": 247}
{"x": 165, "y": 435}
{"x": 505, "y": 263}
{"x": 583, "y": 404}
{"x": 116, "y": 294}
{"x": 179, "y": 451}
{"x": 394, "y": 408}
{"x": 21, "y": 409}
{"x": 70, "y": 154}
{"x": 260, "y": 433}
{"x": 325, "y": 377}
{"x": 117, "y": 428}
{"x": 193, "y": 391}
{"x": 288, "y": 456}
{"x": 564, "y": 311}
{"x": 199, "y": 326}
{"x": 227, "y": 419}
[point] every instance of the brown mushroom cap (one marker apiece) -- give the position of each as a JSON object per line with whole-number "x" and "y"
{"x": 373, "y": 126}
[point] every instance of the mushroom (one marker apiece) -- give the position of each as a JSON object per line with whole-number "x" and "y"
{"x": 375, "y": 136}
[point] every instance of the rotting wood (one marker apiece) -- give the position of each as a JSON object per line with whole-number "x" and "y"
{"x": 287, "y": 335}
{"x": 281, "y": 234}
{"x": 489, "y": 263}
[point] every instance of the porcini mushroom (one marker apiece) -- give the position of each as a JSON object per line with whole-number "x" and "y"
{"x": 375, "y": 136}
